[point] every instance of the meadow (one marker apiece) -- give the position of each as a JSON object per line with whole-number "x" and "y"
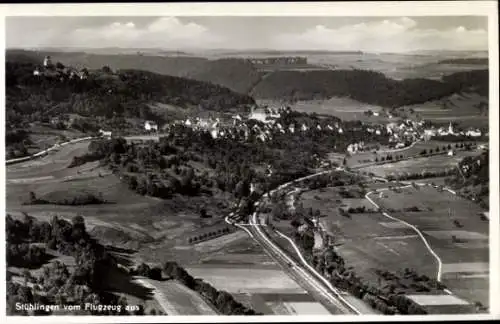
{"x": 456, "y": 233}
{"x": 435, "y": 163}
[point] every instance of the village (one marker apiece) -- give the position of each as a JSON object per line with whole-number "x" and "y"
{"x": 262, "y": 121}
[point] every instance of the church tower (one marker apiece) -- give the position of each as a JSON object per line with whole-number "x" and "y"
{"x": 47, "y": 62}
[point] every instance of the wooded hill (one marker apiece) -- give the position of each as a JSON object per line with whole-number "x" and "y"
{"x": 124, "y": 93}
{"x": 367, "y": 86}
{"x": 242, "y": 76}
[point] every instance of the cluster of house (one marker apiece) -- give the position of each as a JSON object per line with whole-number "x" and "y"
{"x": 240, "y": 127}
{"x": 48, "y": 69}
{"x": 355, "y": 147}
{"x": 278, "y": 60}
{"x": 428, "y": 133}
{"x": 450, "y": 131}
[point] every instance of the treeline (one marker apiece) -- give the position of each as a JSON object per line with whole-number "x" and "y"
{"x": 125, "y": 93}
{"x": 209, "y": 235}
{"x": 472, "y": 60}
{"x": 387, "y": 301}
{"x": 367, "y": 86}
{"x": 237, "y": 74}
{"x": 85, "y": 158}
{"x": 71, "y": 198}
{"x": 422, "y": 175}
{"x": 222, "y": 300}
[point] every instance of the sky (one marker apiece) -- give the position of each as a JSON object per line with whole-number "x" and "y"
{"x": 370, "y": 34}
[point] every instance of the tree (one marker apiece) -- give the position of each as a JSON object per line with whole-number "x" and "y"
{"x": 60, "y": 66}
{"x": 106, "y": 69}
{"x": 139, "y": 311}
{"x": 155, "y": 273}
{"x": 143, "y": 270}
{"x": 32, "y": 197}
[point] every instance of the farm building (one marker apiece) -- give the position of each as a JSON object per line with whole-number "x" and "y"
{"x": 150, "y": 125}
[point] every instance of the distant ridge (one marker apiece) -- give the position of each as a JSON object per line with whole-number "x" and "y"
{"x": 286, "y": 52}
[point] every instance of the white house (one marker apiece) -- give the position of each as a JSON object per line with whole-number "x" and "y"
{"x": 473, "y": 133}
{"x": 341, "y": 131}
{"x": 150, "y": 125}
{"x": 376, "y": 114}
{"x": 262, "y": 115}
{"x": 214, "y": 133}
{"x": 188, "y": 122}
{"x": 105, "y": 133}
{"x": 451, "y": 153}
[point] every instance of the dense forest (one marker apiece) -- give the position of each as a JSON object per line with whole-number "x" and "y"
{"x": 236, "y": 74}
{"x": 56, "y": 284}
{"x": 367, "y": 86}
{"x": 28, "y": 241}
{"x": 124, "y": 93}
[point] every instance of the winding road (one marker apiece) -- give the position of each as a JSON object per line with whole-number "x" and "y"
{"x": 315, "y": 280}
{"x": 304, "y": 273}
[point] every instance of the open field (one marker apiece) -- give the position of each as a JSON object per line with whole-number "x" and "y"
{"x": 414, "y": 150}
{"x": 252, "y": 280}
{"x": 44, "y": 136}
{"x": 129, "y": 219}
{"x": 344, "y": 108}
{"x": 177, "y": 299}
{"x": 432, "y": 164}
{"x": 463, "y": 248}
{"x": 458, "y": 108}
{"x": 371, "y": 241}
{"x": 55, "y": 164}
{"x": 396, "y": 66}
{"x": 365, "y": 243}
